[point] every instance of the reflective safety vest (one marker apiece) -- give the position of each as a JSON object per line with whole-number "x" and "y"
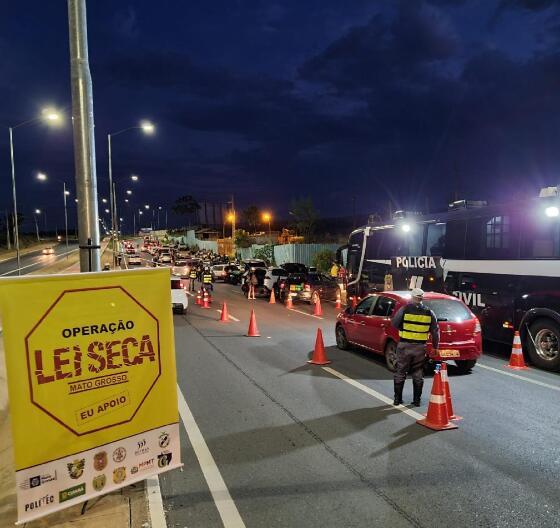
{"x": 415, "y": 326}
{"x": 193, "y": 274}
{"x": 207, "y": 278}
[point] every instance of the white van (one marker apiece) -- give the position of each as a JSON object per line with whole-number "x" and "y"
{"x": 179, "y": 299}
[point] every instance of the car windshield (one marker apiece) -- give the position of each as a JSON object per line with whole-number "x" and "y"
{"x": 448, "y": 310}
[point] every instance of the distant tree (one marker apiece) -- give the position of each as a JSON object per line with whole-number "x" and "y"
{"x": 323, "y": 260}
{"x": 186, "y": 205}
{"x": 243, "y": 239}
{"x": 305, "y": 217}
{"x": 265, "y": 253}
{"x": 252, "y": 217}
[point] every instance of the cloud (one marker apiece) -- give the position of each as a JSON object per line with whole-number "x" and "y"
{"x": 125, "y": 23}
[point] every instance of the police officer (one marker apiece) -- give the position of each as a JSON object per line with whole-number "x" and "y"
{"x": 207, "y": 279}
{"x": 192, "y": 277}
{"x": 415, "y": 323}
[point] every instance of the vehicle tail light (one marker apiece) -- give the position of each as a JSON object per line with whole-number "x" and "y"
{"x": 307, "y": 287}
{"x": 477, "y": 327}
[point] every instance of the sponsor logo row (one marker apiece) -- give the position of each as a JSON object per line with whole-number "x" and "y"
{"x": 100, "y": 461}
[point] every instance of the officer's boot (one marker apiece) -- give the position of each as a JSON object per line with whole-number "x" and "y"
{"x": 399, "y": 385}
{"x": 417, "y": 389}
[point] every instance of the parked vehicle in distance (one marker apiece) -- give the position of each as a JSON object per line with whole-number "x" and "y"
{"x": 271, "y": 278}
{"x": 294, "y": 267}
{"x": 234, "y": 274}
{"x": 218, "y": 272}
{"x": 179, "y": 299}
{"x": 309, "y": 287}
{"x": 369, "y": 326}
{"x": 48, "y": 251}
{"x": 165, "y": 258}
{"x": 260, "y": 289}
{"x": 134, "y": 260}
{"x": 180, "y": 268}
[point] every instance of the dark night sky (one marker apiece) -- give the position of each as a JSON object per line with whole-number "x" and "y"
{"x": 272, "y": 100}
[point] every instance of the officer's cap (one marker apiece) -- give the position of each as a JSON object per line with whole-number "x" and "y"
{"x": 417, "y": 292}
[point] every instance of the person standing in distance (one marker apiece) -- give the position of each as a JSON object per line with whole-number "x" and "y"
{"x": 415, "y": 323}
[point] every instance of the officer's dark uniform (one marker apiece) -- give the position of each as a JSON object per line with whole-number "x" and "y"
{"x": 192, "y": 277}
{"x": 207, "y": 279}
{"x": 415, "y": 323}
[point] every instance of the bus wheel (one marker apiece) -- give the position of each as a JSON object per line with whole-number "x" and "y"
{"x": 391, "y": 355}
{"x": 341, "y": 340}
{"x": 465, "y": 366}
{"x": 544, "y": 344}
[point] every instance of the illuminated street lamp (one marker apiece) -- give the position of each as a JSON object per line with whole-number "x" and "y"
{"x": 134, "y": 178}
{"x": 41, "y": 176}
{"x": 148, "y": 128}
{"x": 129, "y": 192}
{"x": 406, "y": 228}
{"x": 146, "y": 206}
{"x": 51, "y": 117}
{"x": 37, "y": 212}
{"x": 267, "y": 217}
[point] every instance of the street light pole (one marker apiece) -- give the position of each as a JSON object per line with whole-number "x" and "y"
{"x": 111, "y": 199}
{"x": 65, "y": 218}
{"x": 36, "y": 226}
{"x": 84, "y": 141}
{"x": 16, "y": 230}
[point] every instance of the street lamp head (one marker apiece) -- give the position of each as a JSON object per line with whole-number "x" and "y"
{"x": 126, "y": 200}
{"x": 140, "y": 212}
{"x": 266, "y": 217}
{"x": 147, "y": 127}
{"x": 51, "y": 116}
{"x": 129, "y": 192}
{"x": 134, "y": 178}
{"x": 231, "y": 217}
{"x": 41, "y": 176}
{"x": 107, "y": 211}
{"x": 104, "y": 200}
{"x": 37, "y": 211}
{"x": 146, "y": 206}
{"x": 67, "y": 193}
{"x": 160, "y": 207}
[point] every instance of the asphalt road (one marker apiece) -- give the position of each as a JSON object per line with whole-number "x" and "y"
{"x": 297, "y": 446}
{"x": 35, "y": 260}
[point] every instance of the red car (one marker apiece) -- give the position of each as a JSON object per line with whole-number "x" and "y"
{"x": 369, "y": 326}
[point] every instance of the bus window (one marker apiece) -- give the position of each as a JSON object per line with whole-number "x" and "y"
{"x": 355, "y": 253}
{"x": 541, "y": 239}
{"x": 394, "y": 242}
{"x": 494, "y": 237}
{"x": 435, "y": 240}
{"x": 455, "y": 239}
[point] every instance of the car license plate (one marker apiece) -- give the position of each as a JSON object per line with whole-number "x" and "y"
{"x": 295, "y": 287}
{"x": 446, "y": 353}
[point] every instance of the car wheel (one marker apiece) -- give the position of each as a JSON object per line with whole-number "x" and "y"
{"x": 391, "y": 355}
{"x": 465, "y": 365}
{"x": 341, "y": 340}
{"x": 544, "y": 344}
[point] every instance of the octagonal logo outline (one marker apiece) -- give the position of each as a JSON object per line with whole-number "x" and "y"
{"x": 27, "y": 354}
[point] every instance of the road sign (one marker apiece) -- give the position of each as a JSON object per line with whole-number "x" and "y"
{"x": 91, "y": 373}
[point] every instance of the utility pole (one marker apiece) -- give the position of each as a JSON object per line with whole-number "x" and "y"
{"x": 84, "y": 141}
{"x": 8, "y": 230}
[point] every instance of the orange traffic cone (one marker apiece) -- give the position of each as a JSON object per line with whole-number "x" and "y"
{"x": 289, "y": 304}
{"x": 272, "y": 297}
{"x": 224, "y": 317}
{"x": 437, "y": 418}
{"x": 205, "y": 303}
{"x": 447, "y": 391}
{"x": 319, "y": 355}
{"x": 318, "y": 311}
{"x": 338, "y": 304}
{"x": 516, "y": 360}
{"x": 198, "y": 301}
{"x": 253, "y": 330}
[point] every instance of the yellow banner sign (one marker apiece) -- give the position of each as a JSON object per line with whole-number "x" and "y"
{"x": 91, "y": 373}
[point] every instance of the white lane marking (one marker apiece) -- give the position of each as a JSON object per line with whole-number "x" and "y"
{"x": 375, "y": 394}
{"x": 155, "y": 503}
{"x": 230, "y": 316}
{"x": 224, "y": 503}
{"x": 39, "y": 263}
{"x": 517, "y": 376}
{"x": 305, "y": 313}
